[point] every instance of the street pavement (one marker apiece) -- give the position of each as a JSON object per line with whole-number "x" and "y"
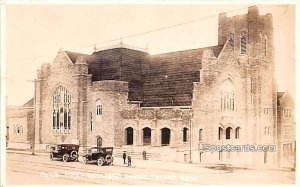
{"x": 24, "y": 168}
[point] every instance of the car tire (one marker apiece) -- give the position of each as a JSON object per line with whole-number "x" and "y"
{"x": 100, "y": 161}
{"x": 108, "y": 159}
{"x": 76, "y": 159}
{"x": 51, "y": 156}
{"x": 74, "y": 156}
{"x": 65, "y": 157}
{"x": 84, "y": 160}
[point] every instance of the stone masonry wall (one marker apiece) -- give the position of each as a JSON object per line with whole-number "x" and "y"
{"x": 252, "y": 75}
{"x": 156, "y": 119}
{"x": 62, "y": 72}
{"x": 207, "y": 103}
{"x": 112, "y": 96}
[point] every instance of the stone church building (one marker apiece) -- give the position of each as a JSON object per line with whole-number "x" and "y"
{"x": 170, "y": 104}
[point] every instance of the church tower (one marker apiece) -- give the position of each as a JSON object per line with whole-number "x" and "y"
{"x": 251, "y": 36}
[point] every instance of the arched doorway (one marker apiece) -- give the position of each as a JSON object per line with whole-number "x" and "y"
{"x": 99, "y": 141}
{"x": 237, "y": 132}
{"x": 228, "y": 133}
{"x": 165, "y": 136}
{"x": 265, "y": 157}
{"x": 129, "y": 135}
{"x": 146, "y": 136}
{"x": 185, "y": 134}
{"x": 220, "y": 137}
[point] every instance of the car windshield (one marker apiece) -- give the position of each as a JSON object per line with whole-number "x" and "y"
{"x": 92, "y": 151}
{"x": 58, "y": 148}
{"x": 109, "y": 150}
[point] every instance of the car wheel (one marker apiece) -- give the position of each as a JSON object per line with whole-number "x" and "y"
{"x": 74, "y": 156}
{"x": 108, "y": 159}
{"x": 51, "y": 156}
{"x": 65, "y": 157}
{"x": 100, "y": 161}
{"x": 76, "y": 159}
{"x": 84, "y": 160}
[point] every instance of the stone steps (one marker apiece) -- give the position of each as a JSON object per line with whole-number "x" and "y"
{"x": 152, "y": 153}
{"x": 137, "y": 154}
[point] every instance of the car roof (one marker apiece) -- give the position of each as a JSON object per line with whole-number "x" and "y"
{"x": 68, "y": 145}
{"x": 101, "y": 147}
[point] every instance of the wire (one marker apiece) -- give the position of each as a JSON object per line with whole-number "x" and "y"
{"x": 150, "y": 31}
{"x": 159, "y": 29}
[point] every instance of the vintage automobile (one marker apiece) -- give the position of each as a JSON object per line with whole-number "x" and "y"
{"x": 66, "y": 152}
{"x": 101, "y": 155}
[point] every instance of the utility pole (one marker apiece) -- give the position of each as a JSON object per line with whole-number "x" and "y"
{"x": 121, "y": 59}
{"x": 191, "y": 130}
{"x": 95, "y": 48}
{"x": 34, "y": 113}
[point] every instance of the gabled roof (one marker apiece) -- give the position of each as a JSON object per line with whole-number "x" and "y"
{"x": 216, "y": 49}
{"x": 170, "y": 76}
{"x": 73, "y": 55}
{"x": 29, "y": 104}
{"x": 284, "y": 98}
{"x": 280, "y": 94}
{"x": 156, "y": 80}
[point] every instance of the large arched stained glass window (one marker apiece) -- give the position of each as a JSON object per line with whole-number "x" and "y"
{"x": 61, "y": 110}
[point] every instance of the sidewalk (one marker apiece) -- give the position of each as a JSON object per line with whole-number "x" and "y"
{"x": 143, "y": 164}
{"x": 27, "y": 152}
{"x": 169, "y": 166}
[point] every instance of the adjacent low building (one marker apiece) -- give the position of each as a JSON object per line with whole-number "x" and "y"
{"x": 20, "y": 122}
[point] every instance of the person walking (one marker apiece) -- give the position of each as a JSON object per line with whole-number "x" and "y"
{"x": 129, "y": 160}
{"x": 124, "y": 157}
{"x": 144, "y": 155}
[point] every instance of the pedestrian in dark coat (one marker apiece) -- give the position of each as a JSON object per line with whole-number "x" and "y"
{"x": 124, "y": 157}
{"x": 144, "y": 155}
{"x": 129, "y": 160}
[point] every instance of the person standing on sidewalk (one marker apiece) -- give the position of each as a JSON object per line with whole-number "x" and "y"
{"x": 129, "y": 160}
{"x": 124, "y": 157}
{"x": 144, "y": 155}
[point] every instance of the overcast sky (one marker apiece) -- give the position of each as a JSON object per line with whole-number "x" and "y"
{"x": 35, "y": 33}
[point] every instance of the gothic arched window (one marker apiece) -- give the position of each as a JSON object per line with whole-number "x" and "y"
{"x": 227, "y": 95}
{"x": 243, "y": 42}
{"x": 265, "y": 45}
{"x": 98, "y": 108}
{"x": 61, "y": 110}
{"x": 201, "y": 135}
{"x": 185, "y": 134}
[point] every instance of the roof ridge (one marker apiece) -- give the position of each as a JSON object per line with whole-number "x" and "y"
{"x": 185, "y": 50}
